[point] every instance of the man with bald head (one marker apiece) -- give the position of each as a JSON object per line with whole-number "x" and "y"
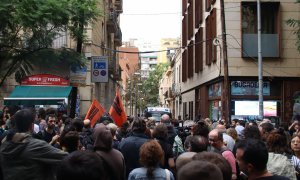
{"x": 215, "y": 138}
{"x": 165, "y": 119}
{"x": 85, "y": 136}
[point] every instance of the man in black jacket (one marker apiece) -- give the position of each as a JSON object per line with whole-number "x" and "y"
{"x": 24, "y": 157}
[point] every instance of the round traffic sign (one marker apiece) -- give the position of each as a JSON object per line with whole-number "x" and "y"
{"x": 103, "y": 73}
{"x": 96, "y": 73}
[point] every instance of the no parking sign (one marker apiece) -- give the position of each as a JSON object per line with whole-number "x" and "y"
{"x": 99, "y": 69}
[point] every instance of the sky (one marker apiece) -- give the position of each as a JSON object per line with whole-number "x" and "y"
{"x": 150, "y": 20}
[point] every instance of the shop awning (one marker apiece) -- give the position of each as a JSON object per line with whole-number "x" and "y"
{"x": 38, "y": 95}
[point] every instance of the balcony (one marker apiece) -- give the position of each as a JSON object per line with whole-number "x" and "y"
{"x": 118, "y": 37}
{"x": 119, "y": 6}
{"x": 269, "y": 45}
{"x": 113, "y": 22}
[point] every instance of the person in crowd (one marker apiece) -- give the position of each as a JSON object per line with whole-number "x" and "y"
{"x": 197, "y": 144}
{"x": 237, "y": 124}
{"x": 183, "y": 159}
{"x": 201, "y": 129}
{"x": 77, "y": 123}
{"x": 160, "y": 133}
{"x": 208, "y": 122}
{"x": 279, "y": 162}
{"x": 122, "y": 131}
{"x": 252, "y": 132}
{"x": 165, "y": 119}
{"x": 113, "y": 129}
{"x": 41, "y": 116}
{"x": 50, "y": 135}
{"x": 252, "y": 158}
{"x": 216, "y": 141}
{"x": 284, "y": 126}
{"x": 200, "y": 170}
{"x": 151, "y": 155}
{"x": 228, "y": 140}
{"x": 232, "y": 133}
{"x": 82, "y": 165}
{"x": 151, "y": 123}
{"x": 69, "y": 142}
{"x": 218, "y": 160}
{"x": 86, "y": 139}
{"x": 24, "y": 157}
{"x": 112, "y": 158}
{"x": 295, "y": 145}
{"x": 294, "y": 127}
{"x": 130, "y": 146}
{"x": 265, "y": 128}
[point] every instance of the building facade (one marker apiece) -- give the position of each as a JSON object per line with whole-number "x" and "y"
{"x": 129, "y": 63}
{"x": 203, "y": 90}
{"x": 103, "y": 37}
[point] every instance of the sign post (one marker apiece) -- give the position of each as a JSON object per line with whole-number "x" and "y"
{"x": 99, "y": 70}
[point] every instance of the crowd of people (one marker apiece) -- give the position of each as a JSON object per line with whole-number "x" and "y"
{"x": 42, "y": 145}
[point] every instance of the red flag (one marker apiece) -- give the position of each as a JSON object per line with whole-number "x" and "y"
{"x": 117, "y": 110}
{"x": 95, "y": 112}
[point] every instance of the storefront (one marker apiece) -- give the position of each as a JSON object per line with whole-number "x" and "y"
{"x": 245, "y": 104}
{"x": 44, "y": 90}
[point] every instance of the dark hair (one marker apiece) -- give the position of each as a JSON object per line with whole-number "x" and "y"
{"x": 50, "y": 115}
{"x": 252, "y": 132}
{"x": 267, "y": 127}
{"x": 198, "y": 143}
{"x": 139, "y": 126}
{"x": 77, "y": 124}
{"x": 160, "y": 132}
{"x": 41, "y": 113}
{"x": 218, "y": 160}
{"x": 235, "y": 120}
{"x": 23, "y": 120}
{"x": 70, "y": 141}
{"x": 199, "y": 170}
{"x": 277, "y": 142}
{"x": 201, "y": 129}
{"x": 255, "y": 153}
{"x": 151, "y": 154}
{"x": 82, "y": 165}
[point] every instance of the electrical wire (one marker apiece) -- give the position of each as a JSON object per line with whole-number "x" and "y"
{"x": 150, "y": 14}
{"x": 148, "y": 52}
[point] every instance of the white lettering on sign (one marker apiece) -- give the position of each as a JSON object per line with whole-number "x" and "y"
{"x": 34, "y": 79}
{"x": 54, "y": 79}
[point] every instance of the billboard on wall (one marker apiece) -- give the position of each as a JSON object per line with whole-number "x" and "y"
{"x": 99, "y": 70}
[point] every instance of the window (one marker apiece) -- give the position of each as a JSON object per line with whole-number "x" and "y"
{"x": 270, "y": 29}
{"x": 190, "y": 20}
{"x": 211, "y": 33}
{"x": 198, "y": 13}
{"x": 191, "y": 59}
{"x": 269, "y": 16}
{"x": 199, "y": 51}
{"x": 184, "y": 65}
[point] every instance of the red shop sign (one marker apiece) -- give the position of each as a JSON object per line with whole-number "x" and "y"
{"x": 45, "y": 80}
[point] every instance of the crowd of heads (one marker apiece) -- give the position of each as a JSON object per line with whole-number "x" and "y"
{"x": 189, "y": 149}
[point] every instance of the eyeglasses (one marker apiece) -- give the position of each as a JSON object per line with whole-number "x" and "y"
{"x": 294, "y": 141}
